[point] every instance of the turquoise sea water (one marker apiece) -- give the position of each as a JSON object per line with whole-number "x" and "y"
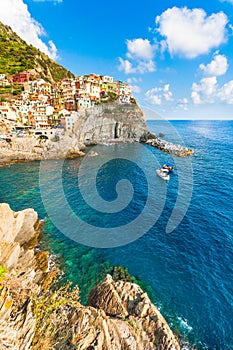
{"x": 190, "y": 269}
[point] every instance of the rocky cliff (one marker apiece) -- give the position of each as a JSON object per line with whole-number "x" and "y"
{"x": 108, "y": 122}
{"x": 37, "y": 314}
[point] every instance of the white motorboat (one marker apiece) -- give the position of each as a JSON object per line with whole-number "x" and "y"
{"x": 163, "y": 173}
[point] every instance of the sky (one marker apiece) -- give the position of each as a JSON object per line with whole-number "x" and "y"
{"x": 176, "y": 55}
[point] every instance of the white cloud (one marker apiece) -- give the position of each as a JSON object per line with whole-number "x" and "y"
{"x": 140, "y": 54}
{"x": 145, "y": 66}
{"x": 135, "y": 89}
{"x": 190, "y": 33}
{"x": 126, "y": 66}
{"x": 15, "y": 14}
{"x": 205, "y": 91}
{"x": 208, "y": 91}
{"x": 225, "y": 93}
{"x": 142, "y": 67}
{"x": 218, "y": 66}
{"x": 134, "y": 80}
{"x": 52, "y": 49}
{"x": 140, "y": 49}
{"x": 157, "y": 95}
{"x": 183, "y": 104}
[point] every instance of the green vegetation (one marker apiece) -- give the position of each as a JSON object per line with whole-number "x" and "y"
{"x": 17, "y": 56}
{"x": 11, "y": 90}
{"x": 3, "y": 270}
{"x": 49, "y": 308}
{"x": 133, "y": 324}
{"x": 112, "y": 96}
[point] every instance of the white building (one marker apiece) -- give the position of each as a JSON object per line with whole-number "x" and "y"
{"x": 71, "y": 120}
{"x": 7, "y": 112}
{"x": 95, "y": 90}
{"x": 107, "y": 79}
{"x": 85, "y": 102}
{"x": 124, "y": 99}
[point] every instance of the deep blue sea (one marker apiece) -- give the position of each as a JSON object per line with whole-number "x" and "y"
{"x": 187, "y": 267}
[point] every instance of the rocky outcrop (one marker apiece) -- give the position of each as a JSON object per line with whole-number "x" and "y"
{"x": 169, "y": 147}
{"x": 16, "y": 229}
{"x": 103, "y": 123}
{"x": 138, "y": 322}
{"x": 17, "y": 255}
{"x": 31, "y": 148}
{"x": 109, "y": 122}
{"x": 36, "y": 314}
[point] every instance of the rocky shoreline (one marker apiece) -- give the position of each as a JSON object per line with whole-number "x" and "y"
{"x": 170, "y": 147}
{"x": 104, "y": 124}
{"x": 37, "y": 314}
{"x": 165, "y": 146}
{"x": 30, "y": 148}
{"x": 108, "y": 123}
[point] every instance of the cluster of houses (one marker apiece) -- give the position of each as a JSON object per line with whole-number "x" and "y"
{"x": 42, "y": 105}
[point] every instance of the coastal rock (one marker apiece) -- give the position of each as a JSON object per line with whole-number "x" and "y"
{"x": 16, "y": 329}
{"x": 110, "y": 122}
{"x": 17, "y": 320}
{"x": 169, "y": 147}
{"x": 127, "y": 300}
{"x": 17, "y": 227}
{"x": 106, "y": 297}
{"x": 147, "y": 136}
{"x": 9, "y": 254}
{"x": 30, "y": 148}
{"x": 37, "y": 314}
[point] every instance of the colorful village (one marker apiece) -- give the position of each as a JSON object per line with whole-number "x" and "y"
{"x": 41, "y": 105}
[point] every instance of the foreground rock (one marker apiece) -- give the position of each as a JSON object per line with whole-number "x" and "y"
{"x": 17, "y": 320}
{"x": 36, "y": 314}
{"x": 137, "y": 322}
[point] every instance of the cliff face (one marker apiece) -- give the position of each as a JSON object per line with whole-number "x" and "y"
{"x": 35, "y": 314}
{"x": 110, "y": 122}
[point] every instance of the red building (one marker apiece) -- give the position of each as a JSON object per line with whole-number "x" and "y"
{"x": 21, "y": 77}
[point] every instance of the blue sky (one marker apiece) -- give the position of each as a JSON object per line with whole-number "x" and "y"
{"x": 177, "y": 55}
